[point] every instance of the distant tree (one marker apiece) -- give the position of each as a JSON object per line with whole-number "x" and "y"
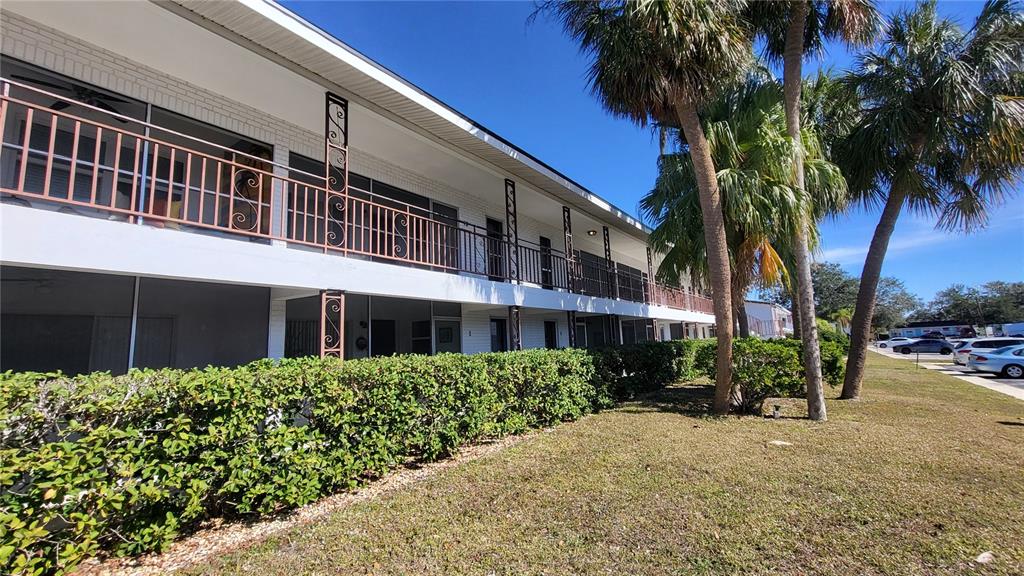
{"x": 834, "y": 289}
{"x": 993, "y": 303}
{"x": 776, "y": 294}
{"x": 842, "y": 318}
{"x": 1005, "y": 301}
{"x": 893, "y": 304}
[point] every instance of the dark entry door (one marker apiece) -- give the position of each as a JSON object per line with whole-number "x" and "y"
{"x": 495, "y": 250}
{"x": 550, "y": 334}
{"x": 382, "y": 337}
{"x": 499, "y": 335}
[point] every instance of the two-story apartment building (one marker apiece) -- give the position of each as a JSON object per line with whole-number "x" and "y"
{"x": 186, "y": 183}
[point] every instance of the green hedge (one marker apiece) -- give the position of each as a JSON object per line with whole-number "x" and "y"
{"x": 125, "y": 464}
{"x": 772, "y": 368}
{"x": 624, "y": 371}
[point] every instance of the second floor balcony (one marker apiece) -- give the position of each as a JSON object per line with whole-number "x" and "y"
{"x": 97, "y": 162}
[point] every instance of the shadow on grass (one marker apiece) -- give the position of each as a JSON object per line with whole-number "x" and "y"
{"x": 1009, "y": 423}
{"x": 697, "y": 399}
{"x": 690, "y": 400}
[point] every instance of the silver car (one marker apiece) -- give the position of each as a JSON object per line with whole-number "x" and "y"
{"x": 1007, "y": 361}
{"x": 964, "y": 348}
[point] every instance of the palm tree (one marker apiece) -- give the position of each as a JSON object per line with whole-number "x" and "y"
{"x": 747, "y": 137}
{"x": 941, "y": 132}
{"x": 661, "y": 62}
{"x": 842, "y": 318}
{"x": 790, "y": 31}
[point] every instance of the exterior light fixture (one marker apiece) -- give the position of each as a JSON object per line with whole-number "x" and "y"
{"x": 591, "y": 232}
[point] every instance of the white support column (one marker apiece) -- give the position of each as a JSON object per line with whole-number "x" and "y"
{"x": 279, "y": 195}
{"x": 276, "y": 322}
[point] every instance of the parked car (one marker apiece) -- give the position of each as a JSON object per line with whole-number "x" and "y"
{"x": 893, "y": 342}
{"x": 1007, "y": 361}
{"x": 925, "y": 345}
{"x": 964, "y": 348}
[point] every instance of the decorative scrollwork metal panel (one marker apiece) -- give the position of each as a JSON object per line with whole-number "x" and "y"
{"x": 336, "y": 171}
{"x": 512, "y": 229}
{"x": 570, "y": 316}
{"x": 573, "y": 272}
{"x": 332, "y": 323}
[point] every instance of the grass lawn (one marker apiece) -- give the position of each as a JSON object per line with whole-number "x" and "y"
{"x": 920, "y": 477}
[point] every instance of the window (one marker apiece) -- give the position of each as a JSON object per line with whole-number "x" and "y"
{"x": 630, "y": 283}
{"x": 594, "y": 279}
{"x": 66, "y": 91}
{"x": 228, "y": 193}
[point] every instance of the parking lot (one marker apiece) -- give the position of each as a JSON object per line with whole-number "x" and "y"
{"x": 945, "y": 364}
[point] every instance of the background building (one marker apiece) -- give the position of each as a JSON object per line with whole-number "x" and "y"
{"x": 768, "y": 320}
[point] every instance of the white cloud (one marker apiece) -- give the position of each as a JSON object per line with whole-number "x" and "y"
{"x": 855, "y": 254}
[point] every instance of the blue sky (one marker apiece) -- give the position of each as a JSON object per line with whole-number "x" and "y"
{"x": 527, "y": 83}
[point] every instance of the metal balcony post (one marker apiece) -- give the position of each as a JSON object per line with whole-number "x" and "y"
{"x": 649, "y": 288}
{"x": 332, "y": 323}
{"x": 570, "y": 316}
{"x": 336, "y": 169}
{"x": 512, "y": 231}
{"x": 515, "y": 328}
{"x": 612, "y": 274}
{"x": 570, "y": 257}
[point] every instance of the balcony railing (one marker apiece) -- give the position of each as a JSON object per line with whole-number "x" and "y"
{"x": 105, "y": 163}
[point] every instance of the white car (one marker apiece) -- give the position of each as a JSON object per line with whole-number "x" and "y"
{"x": 893, "y": 342}
{"x": 963, "y": 349}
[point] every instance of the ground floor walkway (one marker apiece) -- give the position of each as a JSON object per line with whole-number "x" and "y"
{"x": 921, "y": 476}
{"x": 80, "y": 322}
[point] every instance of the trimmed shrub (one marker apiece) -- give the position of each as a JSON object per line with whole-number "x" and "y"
{"x": 623, "y": 371}
{"x": 772, "y": 368}
{"x": 764, "y": 369}
{"x": 124, "y": 464}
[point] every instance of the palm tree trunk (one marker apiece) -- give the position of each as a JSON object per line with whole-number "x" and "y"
{"x": 860, "y": 326}
{"x": 739, "y": 310}
{"x": 804, "y": 298}
{"x": 718, "y": 252}
{"x": 796, "y": 316}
